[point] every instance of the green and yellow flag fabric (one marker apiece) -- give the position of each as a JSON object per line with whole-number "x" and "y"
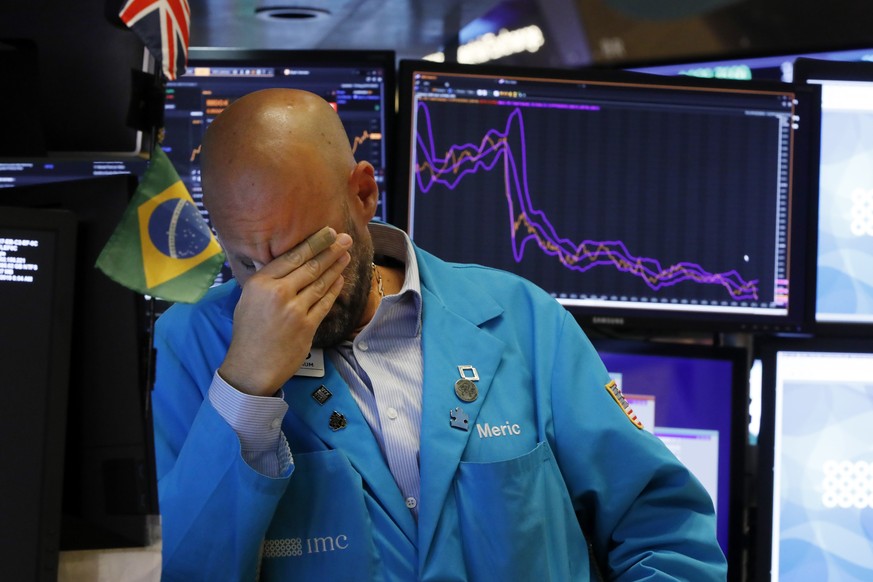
{"x": 162, "y": 247}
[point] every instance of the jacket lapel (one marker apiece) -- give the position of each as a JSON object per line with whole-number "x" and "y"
{"x": 355, "y": 439}
{"x": 450, "y": 338}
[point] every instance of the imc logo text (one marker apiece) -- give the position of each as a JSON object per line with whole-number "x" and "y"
{"x": 296, "y": 547}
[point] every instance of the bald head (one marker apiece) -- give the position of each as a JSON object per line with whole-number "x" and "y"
{"x": 276, "y": 167}
{"x": 268, "y": 141}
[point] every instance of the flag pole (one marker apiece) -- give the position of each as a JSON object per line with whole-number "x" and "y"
{"x": 155, "y": 534}
{"x": 157, "y": 131}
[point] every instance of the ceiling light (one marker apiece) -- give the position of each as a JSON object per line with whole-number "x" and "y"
{"x": 285, "y": 11}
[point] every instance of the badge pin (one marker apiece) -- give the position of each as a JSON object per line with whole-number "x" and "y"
{"x": 622, "y": 402}
{"x": 468, "y": 372}
{"x": 465, "y": 388}
{"x": 322, "y": 394}
{"x": 337, "y": 421}
{"x": 459, "y": 419}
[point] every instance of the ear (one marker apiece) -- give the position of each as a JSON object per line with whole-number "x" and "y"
{"x": 363, "y": 190}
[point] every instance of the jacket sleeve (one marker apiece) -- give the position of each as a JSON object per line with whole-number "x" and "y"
{"x": 214, "y": 507}
{"x": 646, "y": 516}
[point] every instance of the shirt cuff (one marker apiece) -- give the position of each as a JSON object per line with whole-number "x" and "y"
{"x": 257, "y": 421}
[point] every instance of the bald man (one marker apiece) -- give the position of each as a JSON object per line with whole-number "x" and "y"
{"x": 350, "y": 407}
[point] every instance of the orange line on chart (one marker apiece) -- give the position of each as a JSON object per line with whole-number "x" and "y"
{"x": 637, "y": 267}
{"x": 358, "y": 140}
{"x": 452, "y": 160}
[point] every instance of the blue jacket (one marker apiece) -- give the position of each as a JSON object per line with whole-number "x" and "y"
{"x": 546, "y": 448}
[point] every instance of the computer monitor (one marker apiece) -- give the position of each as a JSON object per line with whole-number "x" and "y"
{"x": 109, "y": 484}
{"x": 844, "y": 257}
{"x": 71, "y": 81}
{"x": 37, "y": 258}
{"x": 635, "y": 200}
{"x": 815, "y": 492}
{"x": 359, "y": 84}
{"x": 695, "y": 399}
{"x": 748, "y": 67}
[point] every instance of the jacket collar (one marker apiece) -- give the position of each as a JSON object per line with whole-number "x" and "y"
{"x": 452, "y": 287}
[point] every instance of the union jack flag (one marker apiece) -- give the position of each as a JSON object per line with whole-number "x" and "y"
{"x": 163, "y": 25}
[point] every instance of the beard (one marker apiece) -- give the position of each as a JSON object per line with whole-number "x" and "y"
{"x": 345, "y": 315}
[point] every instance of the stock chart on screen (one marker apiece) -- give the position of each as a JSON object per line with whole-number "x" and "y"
{"x": 358, "y": 84}
{"x": 625, "y": 196}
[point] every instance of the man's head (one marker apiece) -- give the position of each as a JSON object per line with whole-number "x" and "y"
{"x": 276, "y": 167}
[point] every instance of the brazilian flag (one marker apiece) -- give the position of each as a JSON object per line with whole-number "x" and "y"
{"x": 162, "y": 247}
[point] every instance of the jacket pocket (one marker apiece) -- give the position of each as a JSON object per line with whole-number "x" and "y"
{"x": 321, "y": 529}
{"x": 517, "y": 522}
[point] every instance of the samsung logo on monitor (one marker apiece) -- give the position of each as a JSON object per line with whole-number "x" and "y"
{"x": 600, "y": 320}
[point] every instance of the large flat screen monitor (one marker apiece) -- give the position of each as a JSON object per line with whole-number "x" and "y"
{"x": 359, "y": 84}
{"x": 109, "y": 485}
{"x": 70, "y": 74}
{"x": 635, "y": 200}
{"x": 844, "y": 257}
{"x": 695, "y": 399}
{"x": 815, "y": 493}
{"x": 37, "y": 270}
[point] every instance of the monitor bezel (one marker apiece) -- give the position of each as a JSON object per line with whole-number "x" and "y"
{"x": 805, "y": 70}
{"x": 641, "y": 319}
{"x": 766, "y": 350}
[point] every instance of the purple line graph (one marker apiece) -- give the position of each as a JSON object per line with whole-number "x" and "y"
{"x": 506, "y": 150}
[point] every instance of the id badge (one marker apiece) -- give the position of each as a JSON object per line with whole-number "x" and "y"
{"x": 313, "y": 365}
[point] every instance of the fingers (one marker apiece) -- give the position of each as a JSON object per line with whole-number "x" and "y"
{"x": 309, "y": 251}
{"x": 326, "y": 287}
{"x": 321, "y": 240}
{"x": 281, "y": 307}
{"x": 324, "y": 302}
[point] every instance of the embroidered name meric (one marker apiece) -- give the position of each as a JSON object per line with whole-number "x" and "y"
{"x": 498, "y": 430}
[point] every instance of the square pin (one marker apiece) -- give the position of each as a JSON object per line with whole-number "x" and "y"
{"x": 322, "y": 394}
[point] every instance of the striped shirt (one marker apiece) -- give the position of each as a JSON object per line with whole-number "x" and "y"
{"x": 384, "y": 371}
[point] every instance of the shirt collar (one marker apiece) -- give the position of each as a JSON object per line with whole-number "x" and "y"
{"x": 389, "y": 241}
